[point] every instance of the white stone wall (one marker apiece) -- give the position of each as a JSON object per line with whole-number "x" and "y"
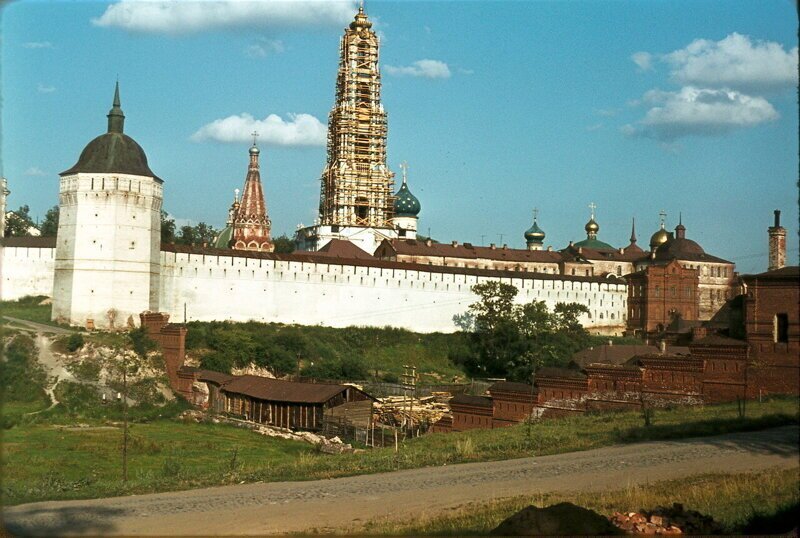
{"x": 26, "y": 271}
{"x": 107, "y": 252}
{"x": 367, "y": 239}
{"x": 242, "y": 289}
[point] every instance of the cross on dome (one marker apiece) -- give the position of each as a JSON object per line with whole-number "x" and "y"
{"x": 404, "y": 167}
{"x": 592, "y": 207}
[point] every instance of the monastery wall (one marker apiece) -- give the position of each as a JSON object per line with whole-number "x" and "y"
{"x": 238, "y": 288}
{"x": 26, "y": 271}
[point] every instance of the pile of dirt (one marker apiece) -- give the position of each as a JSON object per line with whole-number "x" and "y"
{"x": 562, "y": 519}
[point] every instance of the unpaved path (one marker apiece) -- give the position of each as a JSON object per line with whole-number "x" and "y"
{"x": 27, "y": 325}
{"x": 283, "y": 507}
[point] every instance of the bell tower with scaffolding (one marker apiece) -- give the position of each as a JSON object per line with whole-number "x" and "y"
{"x": 357, "y": 187}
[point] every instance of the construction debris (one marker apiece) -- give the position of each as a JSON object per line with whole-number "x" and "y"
{"x": 666, "y": 520}
{"x": 402, "y": 410}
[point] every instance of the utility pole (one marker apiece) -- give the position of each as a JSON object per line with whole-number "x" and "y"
{"x": 125, "y": 419}
{"x": 409, "y": 386}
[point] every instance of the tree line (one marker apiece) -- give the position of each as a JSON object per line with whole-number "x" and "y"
{"x": 19, "y": 223}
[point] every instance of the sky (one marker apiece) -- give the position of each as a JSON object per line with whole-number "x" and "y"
{"x": 499, "y": 107}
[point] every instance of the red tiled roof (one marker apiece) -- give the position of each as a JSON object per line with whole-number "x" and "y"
{"x": 29, "y": 242}
{"x": 278, "y": 390}
{"x": 790, "y": 272}
{"x": 411, "y": 247}
{"x": 510, "y": 386}
{"x": 339, "y": 248}
{"x": 313, "y": 257}
{"x": 215, "y": 377}
{"x": 475, "y": 401}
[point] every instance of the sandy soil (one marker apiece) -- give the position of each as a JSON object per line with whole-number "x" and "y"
{"x": 281, "y": 507}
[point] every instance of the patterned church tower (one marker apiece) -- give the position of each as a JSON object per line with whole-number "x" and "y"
{"x": 777, "y": 244}
{"x": 251, "y": 225}
{"x": 357, "y": 185}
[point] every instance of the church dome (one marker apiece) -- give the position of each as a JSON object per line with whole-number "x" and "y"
{"x": 114, "y": 151}
{"x": 534, "y": 234}
{"x": 223, "y": 240}
{"x": 406, "y": 204}
{"x": 592, "y": 227}
{"x": 659, "y": 238}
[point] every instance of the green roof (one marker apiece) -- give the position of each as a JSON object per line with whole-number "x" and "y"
{"x": 593, "y": 243}
{"x": 224, "y": 238}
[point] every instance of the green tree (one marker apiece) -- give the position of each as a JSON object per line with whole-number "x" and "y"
{"x": 283, "y": 244}
{"x": 188, "y": 235}
{"x": 205, "y": 233}
{"x": 167, "y": 228}
{"x": 19, "y": 222}
{"x": 49, "y": 226}
{"x": 511, "y": 340}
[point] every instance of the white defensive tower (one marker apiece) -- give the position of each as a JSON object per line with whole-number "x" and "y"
{"x": 107, "y": 267}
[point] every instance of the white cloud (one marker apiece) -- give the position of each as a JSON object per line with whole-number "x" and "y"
{"x": 463, "y": 71}
{"x": 421, "y": 68}
{"x": 35, "y": 171}
{"x": 594, "y": 127}
{"x": 264, "y": 48}
{"x": 606, "y": 112}
{"x": 734, "y": 62}
{"x": 644, "y": 60}
{"x": 38, "y": 45}
{"x": 298, "y": 130}
{"x": 185, "y": 17}
{"x": 41, "y": 88}
{"x": 704, "y": 112}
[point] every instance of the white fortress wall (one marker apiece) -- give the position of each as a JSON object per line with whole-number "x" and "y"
{"x": 26, "y": 271}
{"x": 338, "y": 294}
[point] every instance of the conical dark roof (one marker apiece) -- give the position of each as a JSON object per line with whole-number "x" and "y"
{"x": 114, "y": 151}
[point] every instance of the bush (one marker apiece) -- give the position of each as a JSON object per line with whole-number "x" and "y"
{"x": 75, "y": 342}
{"x": 22, "y": 378}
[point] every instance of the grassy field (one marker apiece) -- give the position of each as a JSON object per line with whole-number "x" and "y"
{"x": 43, "y": 461}
{"x": 56, "y": 462}
{"x": 27, "y": 308}
{"x": 734, "y": 501}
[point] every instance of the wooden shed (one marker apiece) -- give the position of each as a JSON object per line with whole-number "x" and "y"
{"x": 286, "y": 404}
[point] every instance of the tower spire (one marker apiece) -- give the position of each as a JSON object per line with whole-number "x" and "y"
{"x": 251, "y": 225}
{"x": 116, "y": 119}
{"x": 633, "y": 230}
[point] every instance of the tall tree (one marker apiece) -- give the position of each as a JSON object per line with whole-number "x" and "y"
{"x": 283, "y": 244}
{"x": 167, "y": 228}
{"x": 49, "y": 227}
{"x": 188, "y": 235}
{"x": 511, "y": 340}
{"x": 19, "y": 222}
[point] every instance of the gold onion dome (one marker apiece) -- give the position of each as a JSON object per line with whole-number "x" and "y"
{"x": 592, "y": 227}
{"x": 659, "y": 238}
{"x": 361, "y": 20}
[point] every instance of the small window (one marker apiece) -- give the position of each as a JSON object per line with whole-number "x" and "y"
{"x": 781, "y": 328}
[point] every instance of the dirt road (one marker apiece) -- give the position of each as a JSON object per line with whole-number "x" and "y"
{"x": 295, "y": 506}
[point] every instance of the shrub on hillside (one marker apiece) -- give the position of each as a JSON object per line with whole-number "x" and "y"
{"x": 22, "y": 378}
{"x": 75, "y": 342}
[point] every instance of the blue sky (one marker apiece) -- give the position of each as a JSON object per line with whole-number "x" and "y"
{"x": 498, "y": 107}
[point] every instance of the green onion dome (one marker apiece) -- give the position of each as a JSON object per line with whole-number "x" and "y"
{"x": 534, "y": 234}
{"x": 406, "y": 204}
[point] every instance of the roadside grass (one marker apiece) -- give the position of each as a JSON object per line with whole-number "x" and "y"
{"x": 43, "y": 462}
{"x": 735, "y": 501}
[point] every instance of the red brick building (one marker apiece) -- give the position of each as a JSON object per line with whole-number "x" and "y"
{"x": 659, "y": 294}
{"x": 772, "y": 329}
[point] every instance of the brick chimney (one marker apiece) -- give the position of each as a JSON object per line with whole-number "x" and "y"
{"x": 777, "y": 244}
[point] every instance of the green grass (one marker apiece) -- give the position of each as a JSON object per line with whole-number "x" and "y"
{"x": 732, "y": 500}
{"x": 42, "y": 462}
{"x": 52, "y": 462}
{"x": 28, "y": 308}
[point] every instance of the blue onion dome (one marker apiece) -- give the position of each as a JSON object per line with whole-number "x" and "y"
{"x": 406, "y": 204}
{"x": 534, "y": 234}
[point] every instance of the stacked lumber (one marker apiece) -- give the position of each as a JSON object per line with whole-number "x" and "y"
{"x": 401, "y": 410}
